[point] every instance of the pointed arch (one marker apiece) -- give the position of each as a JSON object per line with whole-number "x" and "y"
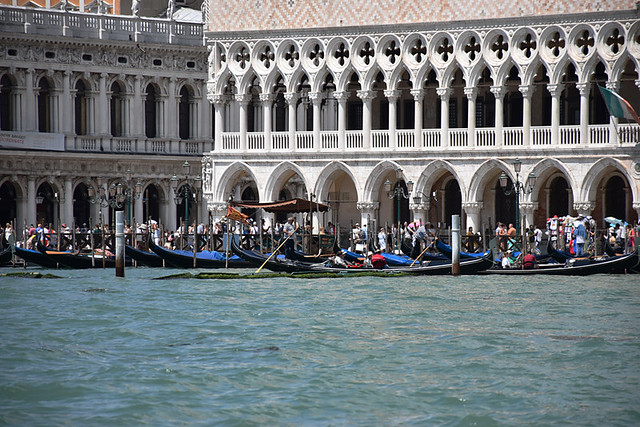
{"x": 375, "y": 177}
{"x": 323, "y": 183}
{"x": 229, "y": 176}
{"x": 279, "y": 176}
{"x": 433, "y": 171}
{"x": 595, "y": 174}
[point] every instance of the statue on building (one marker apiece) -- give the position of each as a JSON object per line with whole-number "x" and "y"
{"x": 135, "y": 8}
{"x": 170, "y": 8}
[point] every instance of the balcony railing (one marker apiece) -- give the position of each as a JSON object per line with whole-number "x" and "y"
{"x": 53, "y": 22}
{"x": 381, "y": 140}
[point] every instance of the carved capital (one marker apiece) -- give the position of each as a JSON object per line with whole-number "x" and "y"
{"x": 472, "y": 207}
{"x": 340, "y": 96}
{"x": 528, "y": 207}
{"x": 267, "y": 97}
{"x": 498, "y": 91}
{"x": 392, "y": 95}
{"x": 243, "y": 98}
{"x": 368, "y": 207}
{"x": 527, "y": 90}
{"x": 217, "y": 207}
{"x": 418, "y": 94}
{"x": 444, "y": 92}
{"x": 291, "y": 97}
{"x": 422, "y": 206}
{"x": 366, "y": 95}
{"x": 471, "y": 92}
{"x": 316, "y": 97}
{"x": 584, "y": 207}
{"x": 613, "y": 86}
{"x": 583, "y": 88}
{"x": 555, "y": 89}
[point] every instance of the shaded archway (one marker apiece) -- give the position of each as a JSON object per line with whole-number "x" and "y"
{"x": 150, "y": 203}
{"x": 558, "y": 196}
{"x": 615, "y": 198}
{"x": 81, "y": 205}
{"x": 7, "y": 106}
{"x": 46, "y": 204}
{"x": 452, "y": 200}
{"x": 8, "y": 207}
{"x": 505, "y": 204}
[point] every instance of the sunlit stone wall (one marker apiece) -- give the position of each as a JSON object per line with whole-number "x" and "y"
{"x": 244, "y": 15}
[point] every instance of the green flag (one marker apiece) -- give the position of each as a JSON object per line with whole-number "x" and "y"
{"x": 618, "y": 106}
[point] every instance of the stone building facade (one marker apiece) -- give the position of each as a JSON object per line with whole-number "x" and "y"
{"x": 97, "y": 113}
{"x": 333, "y": 108}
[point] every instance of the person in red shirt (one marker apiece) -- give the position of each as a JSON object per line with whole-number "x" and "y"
{"x": 378, "y": 261}
{"x": 529, "y": 261}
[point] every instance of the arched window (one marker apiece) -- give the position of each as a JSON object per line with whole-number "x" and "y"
{"x": 558, "y": 197}
{"x": 81, "y": 121}
{"x": 44, "y": 106}
{"x": 615, "y": 200}
{"x": 184, "y": 113}
{"x": 116, "y": 110}
{"x": 150, "y": 113}
{"x": 7, "y": 113}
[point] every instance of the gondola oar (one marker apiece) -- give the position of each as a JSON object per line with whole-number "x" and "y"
{"x": 421, "y": 253}
{"x": 276, "y": 251}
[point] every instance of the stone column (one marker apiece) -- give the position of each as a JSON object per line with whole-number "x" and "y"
{"x": 136, "y": 127}
{"x": 103, "y": 110}
{"x": 171, "y": 108}
{"x": 172, "y": 213}
{"x": 67, "y": 213}
{"x": 420, "y": 210}
{"x": 444, "y": 94}
{"x": 292, "y": 99}
{"x": 243, "y": 102}
{"x": 472, "y": 93}
{"x": 30, "y": 113}
{"x": 138, "y": 211}
{"x": 527, "y": 93}
{"x": 392, "y": 97}
{"x": 366, "y": 96}
{"x": 316, "y": 99}
{"x": 218, "y": 108}
{"x": 66, "y": 104}
{"x": 267, "y": 101}
{"x": 341, "y": 97}
{"x": 368, "y": 215}
{"x": 418, "y": 97}
{"x": 526, "y": 213}
{"x": 584, "y": 89}
{"x": 218, "y": 210}
{"x": 472, "y": 211}
{"x": 613, "y": 121}
{"x": 31, "y": 201}
{"x": 555, "y": 90}
{"x": 498, "y": 93}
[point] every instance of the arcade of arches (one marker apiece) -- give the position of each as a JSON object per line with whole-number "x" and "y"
{"x": 356, "y": 192}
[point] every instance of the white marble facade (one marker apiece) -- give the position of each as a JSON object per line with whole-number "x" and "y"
{"x": 335, "y": 112}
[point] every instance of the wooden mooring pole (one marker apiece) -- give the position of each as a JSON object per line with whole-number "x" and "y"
{"x": 119, "y": 244}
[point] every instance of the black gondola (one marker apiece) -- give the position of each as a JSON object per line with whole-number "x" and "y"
{"x": 204, "y": 259}
{"x": 80, "y": 261}
{"x": 469, "y": 266}
{"x": 149, "y": 259}
{"x": 36, "y": 257}
{"x": 579, "y": 266}
{"x": 5, "y": 256}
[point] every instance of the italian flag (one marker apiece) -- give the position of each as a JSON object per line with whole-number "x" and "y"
{"x": 618, "y": 106}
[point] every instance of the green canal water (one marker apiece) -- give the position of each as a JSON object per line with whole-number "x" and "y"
{"x": 92, "y": 349}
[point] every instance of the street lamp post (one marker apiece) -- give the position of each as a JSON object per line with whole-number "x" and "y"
{"x": 518, "y": 187}
{"x": 399, "y": 193}
{"x": 131, "y": 194}
{"x": 186, "y": 193}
